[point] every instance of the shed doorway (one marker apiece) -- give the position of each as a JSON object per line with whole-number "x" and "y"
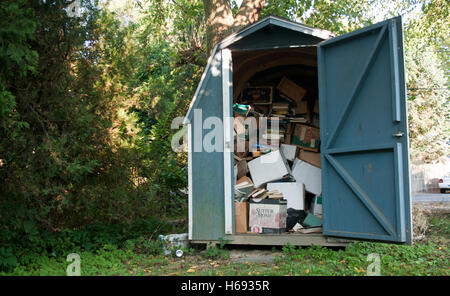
{"x": 280, "y": 85}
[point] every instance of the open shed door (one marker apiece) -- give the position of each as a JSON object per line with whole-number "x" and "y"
{"x": 364, "y": 134}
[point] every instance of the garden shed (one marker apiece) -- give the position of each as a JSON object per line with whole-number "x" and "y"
{"x": 356, "y": 82}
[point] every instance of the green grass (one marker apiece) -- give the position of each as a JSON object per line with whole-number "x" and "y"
{"x": 140, "y": 257}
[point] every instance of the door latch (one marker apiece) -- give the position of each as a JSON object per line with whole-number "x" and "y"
{"x": 398, "y": 134}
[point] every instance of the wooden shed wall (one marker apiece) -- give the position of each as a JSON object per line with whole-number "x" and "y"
{"x": 208, "y": 167}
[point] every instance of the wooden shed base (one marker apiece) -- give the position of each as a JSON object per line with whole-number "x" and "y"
{"x": 280, "y": 240}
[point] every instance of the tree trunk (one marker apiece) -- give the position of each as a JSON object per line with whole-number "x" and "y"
{"x": 248, "y": 13}
{"x": 220, "y": 21}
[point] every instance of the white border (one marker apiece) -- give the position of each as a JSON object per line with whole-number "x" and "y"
{"x": 227, "y": 139}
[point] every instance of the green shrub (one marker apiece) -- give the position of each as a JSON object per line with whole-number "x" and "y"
{"x": 7, "y": 259}
{"x": 216, "y": 252}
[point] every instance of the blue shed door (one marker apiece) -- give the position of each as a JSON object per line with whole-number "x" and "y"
{"x": 364, "y": 135}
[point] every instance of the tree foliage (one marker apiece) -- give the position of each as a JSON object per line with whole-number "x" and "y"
{"x": 427, "y": 65}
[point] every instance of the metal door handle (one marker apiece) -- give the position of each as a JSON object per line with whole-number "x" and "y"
{"x": 398, "y": 134}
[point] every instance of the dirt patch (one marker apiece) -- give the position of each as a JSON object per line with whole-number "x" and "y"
{"x": 254, "y": 256}
{"x": 435, "y": 208}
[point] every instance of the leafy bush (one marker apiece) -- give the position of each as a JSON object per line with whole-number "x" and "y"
{"x": 7, "y": 260}
{"x": 92, "y": 237}
{"x": 80, "y": 167}
{"x": 216, "y": 252}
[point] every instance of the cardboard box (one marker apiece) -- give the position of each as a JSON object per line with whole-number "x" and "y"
{"x": 242, "y": 168}
{"x": 307, "y": 137}
{"x": 291, "y": 90}
{"x": 316, "y": 205}
{"x": 309, "y": 175}
{"x": 289, "y": 151}
{"x": 241, "y": 216}
{"x": 301, "y": 108}
{"x": 310, "y": 157}
{"x": 268, "y": 216}
{"x": 268, "y": 167}
{"x": 293, "y": 192}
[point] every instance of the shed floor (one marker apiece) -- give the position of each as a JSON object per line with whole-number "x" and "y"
{"x": 280, "y": 240}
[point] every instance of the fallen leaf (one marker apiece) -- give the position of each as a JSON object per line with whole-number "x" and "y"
{"x": 190, "y": 270}
{"x": 307, "y": 270}
{"x": 276, "y": 267}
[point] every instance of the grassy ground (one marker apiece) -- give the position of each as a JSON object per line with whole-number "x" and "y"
{"x": 428, "y": 257}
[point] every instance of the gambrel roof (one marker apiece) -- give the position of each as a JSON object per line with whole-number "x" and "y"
{"x": 270, "y": 21}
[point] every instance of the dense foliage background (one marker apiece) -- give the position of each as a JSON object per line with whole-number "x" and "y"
{"x": 88, "y": 94}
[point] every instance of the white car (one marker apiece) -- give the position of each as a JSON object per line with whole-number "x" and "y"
{"x": 444, "y": 184}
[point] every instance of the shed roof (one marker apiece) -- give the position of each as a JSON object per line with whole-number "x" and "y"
{"x": 246, "y": 31}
